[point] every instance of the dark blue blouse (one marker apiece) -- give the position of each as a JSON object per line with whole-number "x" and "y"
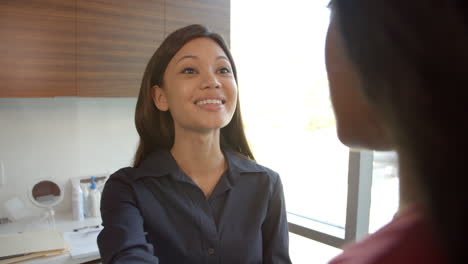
{"x": 156, "y": 214}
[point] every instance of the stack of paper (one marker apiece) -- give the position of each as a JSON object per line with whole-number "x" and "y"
{"x": 83, "y": 244}
{"x": 29, "y": 245}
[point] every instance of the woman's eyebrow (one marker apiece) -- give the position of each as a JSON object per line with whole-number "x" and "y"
{"x": 221, "y": 57}
{"x": 187, "y": 57}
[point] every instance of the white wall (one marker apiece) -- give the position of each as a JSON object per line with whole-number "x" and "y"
{"x": 60, "y": 138}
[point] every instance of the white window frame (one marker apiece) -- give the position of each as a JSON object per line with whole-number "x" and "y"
{"x": 358, "y": 203}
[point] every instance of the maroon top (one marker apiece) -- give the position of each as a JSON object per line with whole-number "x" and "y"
{"x": 406, "y": 239}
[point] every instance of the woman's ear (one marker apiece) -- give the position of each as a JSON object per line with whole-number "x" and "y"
{"x": 160, "y": 98}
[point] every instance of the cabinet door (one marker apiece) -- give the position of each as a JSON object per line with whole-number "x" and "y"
{"x": 213, "y": 13}
{"x": 37, "y": 47}
{"x": 115, "y": 40}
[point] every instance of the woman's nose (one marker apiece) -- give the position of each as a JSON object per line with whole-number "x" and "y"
{"x": 211, "y": 81}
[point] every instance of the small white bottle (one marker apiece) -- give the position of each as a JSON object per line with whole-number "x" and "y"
{"x": 77, "y": 202}
{"x": 94, "y": 200}
{"x": 85, "y": 191}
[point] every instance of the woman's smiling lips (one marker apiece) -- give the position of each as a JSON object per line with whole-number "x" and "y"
{"x": 210, "y": 104}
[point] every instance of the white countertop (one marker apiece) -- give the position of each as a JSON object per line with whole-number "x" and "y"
{"x": 64, "y": 223}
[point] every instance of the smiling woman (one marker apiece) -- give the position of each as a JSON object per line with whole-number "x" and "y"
{"x": 195, "y": 193}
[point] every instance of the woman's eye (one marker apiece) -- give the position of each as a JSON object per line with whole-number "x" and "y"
{"x": 224, "y": 70}
{"x": 189, "y": 71}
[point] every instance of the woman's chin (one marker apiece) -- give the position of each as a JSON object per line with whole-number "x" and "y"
{"x": 363, "y": 141}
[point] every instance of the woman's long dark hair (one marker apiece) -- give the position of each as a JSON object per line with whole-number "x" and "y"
{"x": 155, "y": 127}
{"x": 413, "y": 59}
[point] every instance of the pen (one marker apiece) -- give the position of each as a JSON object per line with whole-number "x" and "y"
{"x": 85, "y": 227}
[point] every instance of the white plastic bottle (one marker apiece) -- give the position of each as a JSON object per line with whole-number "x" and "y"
{"x": 94, "y": 200}
{"x": 84, "y": 189}
{"x": 77, "y": 202}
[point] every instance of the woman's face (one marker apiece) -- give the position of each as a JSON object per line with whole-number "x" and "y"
{"x": 358, "y": 124}
{"x": 199, "y": 87}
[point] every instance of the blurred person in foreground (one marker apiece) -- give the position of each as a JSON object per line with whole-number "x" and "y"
{"x": 398, "y": 72}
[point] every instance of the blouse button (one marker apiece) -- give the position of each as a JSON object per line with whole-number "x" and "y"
{"x": 211, "y": 251}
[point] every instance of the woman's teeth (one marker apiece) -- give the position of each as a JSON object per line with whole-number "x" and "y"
{"x": 209, "y": 101}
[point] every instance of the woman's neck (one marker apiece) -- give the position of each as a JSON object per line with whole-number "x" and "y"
{"x": 411, "y": 194}
{"x": 199, "y": 154}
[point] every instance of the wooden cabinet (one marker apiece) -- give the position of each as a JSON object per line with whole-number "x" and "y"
{"x": 115, "y": 39}
{"x": 213, "y": 13}
{"x": 37, "y": 48}
{"x": 91, "y": 48}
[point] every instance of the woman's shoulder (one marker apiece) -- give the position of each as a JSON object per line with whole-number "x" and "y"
{"x": 406, "y": 239}
{"x": 127, "y": 174}
{"x": 242, "y": 165}
{"x": 245, "y": 164}
{"x": 123, "y": 182}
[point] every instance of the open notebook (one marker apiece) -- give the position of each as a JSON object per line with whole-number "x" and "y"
{"x": 83, "y": 244}
{"x": 28, "y": 245}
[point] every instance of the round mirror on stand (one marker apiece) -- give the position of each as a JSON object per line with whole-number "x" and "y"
{"x": 46, "y": 194}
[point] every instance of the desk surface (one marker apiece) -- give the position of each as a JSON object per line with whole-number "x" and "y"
{"x": 64, "y": 223}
